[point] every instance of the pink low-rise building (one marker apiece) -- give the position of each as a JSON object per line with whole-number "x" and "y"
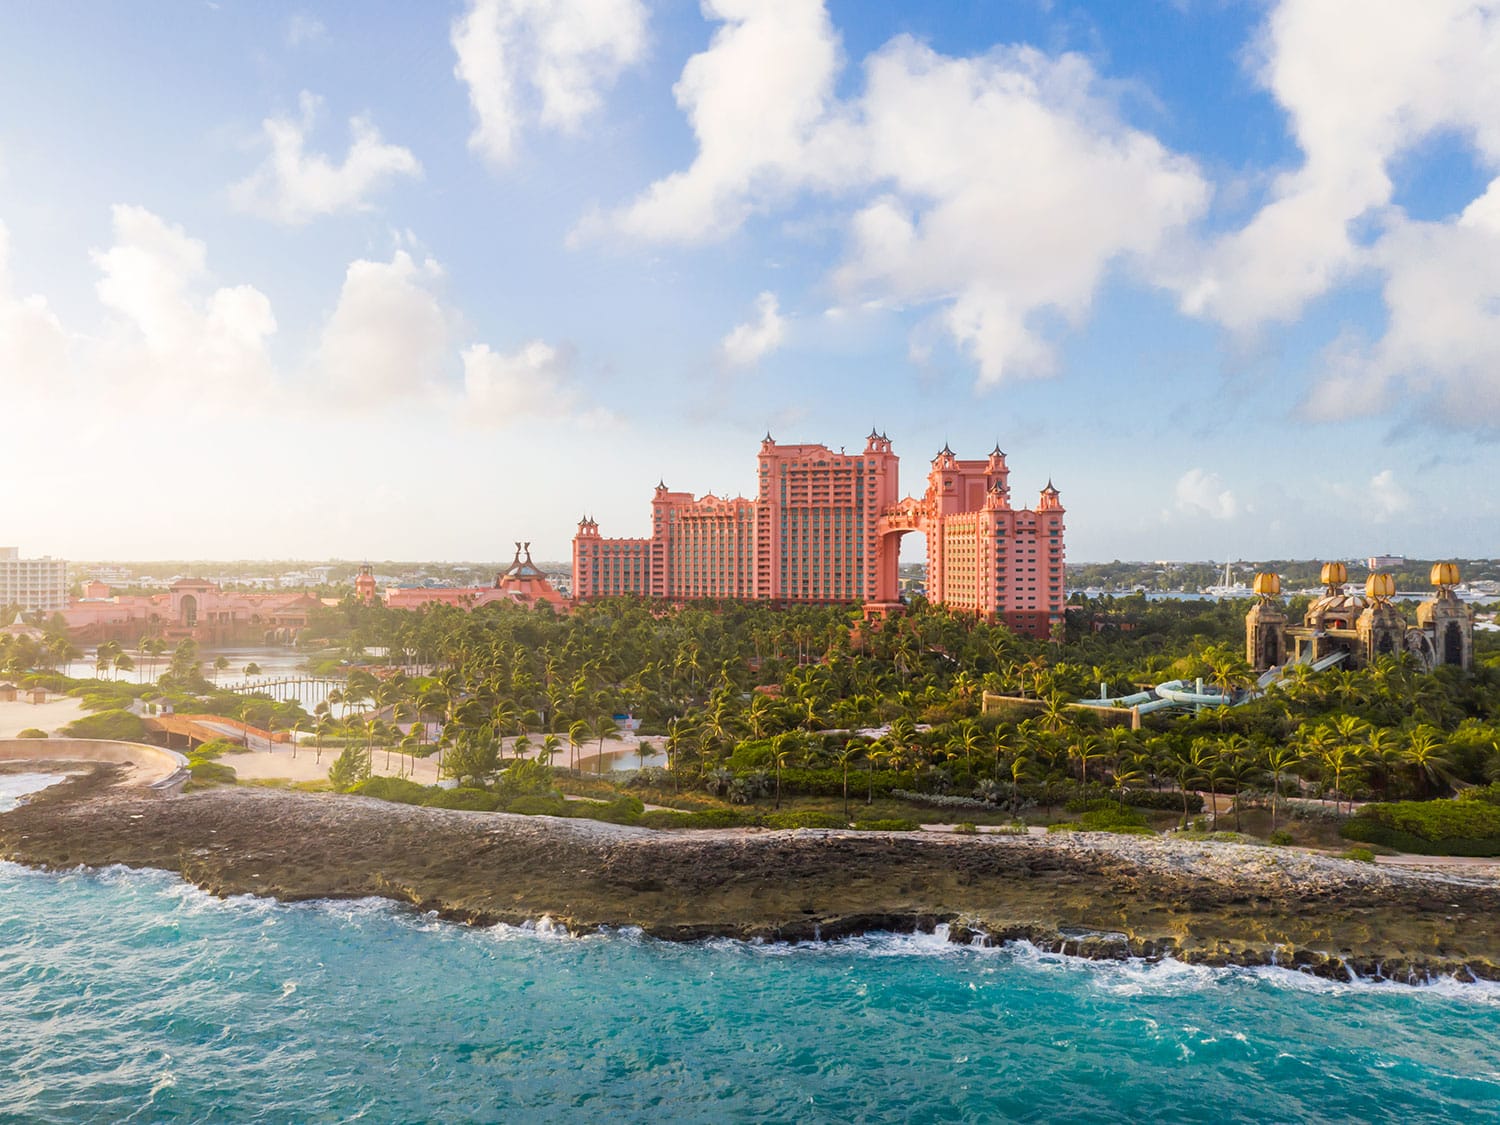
{"x": 521, "y": 584}
{"x": 193, "y": 608}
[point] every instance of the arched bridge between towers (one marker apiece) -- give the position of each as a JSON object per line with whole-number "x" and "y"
{"x": 895, "y": 522}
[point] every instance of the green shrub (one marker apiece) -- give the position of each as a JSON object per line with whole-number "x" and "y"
{"x": 1281, "y": 838}
{"x": 966, "y": 828}
{"x": 538, "y": 804}
{"x": 1015, "y": 829}
{"x": 116, "y": 726}
{"x": 210, "y": 772}
{"x": 803, "y": 819}
{"x": 1361, "y": 855}
{"x": 1169, "y": 801}
{"x": 624, "y": 809}
{"x": 703, "y": 818}
{"x": 216, "y": 748}
{"x": 32, "y": 732}
{"x": 1063, "y": 826}
{"x": 401, "y": 790}
{"x": 891, "y": 824}
{"x": 1453, "y": 827}
{"x": 466, "y": 800}
{"x": 349, "y": 769}
{"x": 1111, "y": 816}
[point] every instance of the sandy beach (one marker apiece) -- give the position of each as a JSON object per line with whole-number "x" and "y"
{"x": 58, "y": 711}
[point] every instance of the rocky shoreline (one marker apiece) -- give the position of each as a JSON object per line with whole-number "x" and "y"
{"x": 1089, "y": 894}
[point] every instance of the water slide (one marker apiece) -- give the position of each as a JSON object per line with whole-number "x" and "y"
{"x": 1181, "y": 693}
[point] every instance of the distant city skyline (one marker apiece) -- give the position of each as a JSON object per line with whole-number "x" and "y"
{"x": 391, "y": 281}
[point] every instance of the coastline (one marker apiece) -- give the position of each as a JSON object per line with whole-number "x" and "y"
{"x": 1089, "y": 894}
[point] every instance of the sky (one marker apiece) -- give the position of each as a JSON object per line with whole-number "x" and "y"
{"x": 414, "y": 281}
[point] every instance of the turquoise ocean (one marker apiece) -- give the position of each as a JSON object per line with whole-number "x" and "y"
{"x": 132, "y": 996}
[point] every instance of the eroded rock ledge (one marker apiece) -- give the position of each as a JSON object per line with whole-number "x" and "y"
{"x": 1089, "y": 894}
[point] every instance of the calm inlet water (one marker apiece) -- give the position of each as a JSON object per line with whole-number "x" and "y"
{"x": 132, "y": 996}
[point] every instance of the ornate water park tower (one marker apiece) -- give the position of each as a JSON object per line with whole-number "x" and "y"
{"x": 1360, "y": 628}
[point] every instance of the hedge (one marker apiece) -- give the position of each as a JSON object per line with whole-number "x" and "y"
{"x": 398, "y": 789}
{"x": 466, "y": 800}
{"x": 1460, "y": 827}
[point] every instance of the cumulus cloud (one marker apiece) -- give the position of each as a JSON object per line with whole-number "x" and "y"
{"x": 747, "y": 343}
{"x": 33, "y": 344}
{"x": 536, "y": 381}
{"x": 995, "y": 190}
{"x": 542, "y": 60}
{"x": 168, "y": 329}
{"x": 1387, "y": 497}
{"x": 293, "y": 185}
{"x": 1364, "y": 83}
{"x": 304, "y": 28}
{"x": 1201, "y": 493}
{"x": 388, "y": 336}
{"x": 759, "y": 100}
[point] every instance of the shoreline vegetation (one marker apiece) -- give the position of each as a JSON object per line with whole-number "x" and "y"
{"x": 1195, "y": 835}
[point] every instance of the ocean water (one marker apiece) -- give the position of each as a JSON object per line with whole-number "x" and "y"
{"x": 132, "y": 996}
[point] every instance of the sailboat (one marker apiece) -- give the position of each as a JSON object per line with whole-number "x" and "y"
{"x": 1229, "y": 588}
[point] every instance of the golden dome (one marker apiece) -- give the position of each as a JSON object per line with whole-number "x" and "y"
{"x": 1444, "y": 574}
{"x": 1335, "y": 574}
{"x": 1267, "y": 585}
{"x": 1380, "y": 586}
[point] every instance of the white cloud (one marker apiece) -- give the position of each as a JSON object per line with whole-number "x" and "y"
{"x": 293, "y": 185}
{"x": 1364, "y": 82}
{"x": 541, "y": 59}
{"x": 388, "y": 336}
{"x": 33, "y": 345}
{"x": 304, "y": 28}
{"x": 759, "y": 99}
{"x": 168, "y": 330}
{"x": 1200, "y": 493}
{"x": 1440, "y": 352}
{"x": 995, "y": 190}
{"x": 747, "y": 343}
{"x": 1387, "y": 498}
{"x": 535, "y": 381}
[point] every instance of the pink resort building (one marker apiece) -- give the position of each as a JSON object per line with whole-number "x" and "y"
{"x": 827, "y": 527}
{"x": 193, "y": 608}
{"x": 522, "y": 583}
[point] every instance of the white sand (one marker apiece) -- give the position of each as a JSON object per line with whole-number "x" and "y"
{"x": 57, "y": 712}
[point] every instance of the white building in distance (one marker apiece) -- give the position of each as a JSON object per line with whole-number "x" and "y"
{"x": 33, "y": 584}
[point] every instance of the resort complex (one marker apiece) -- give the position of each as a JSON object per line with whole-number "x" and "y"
{"x": 826, "y": 527}
{"x": 522, "y": 584}
{"x": 1340, "y": 627}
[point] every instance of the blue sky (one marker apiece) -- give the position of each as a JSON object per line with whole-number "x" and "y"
{"x": 414, "y": 281}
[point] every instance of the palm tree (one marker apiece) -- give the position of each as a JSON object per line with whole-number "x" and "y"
{"x": 604, "y": 727}
{"x": 846, "y": 758}
{"x": 1280, "y": 758}
{"x": 551, "y": 747}
{"x": 1424, "y": 753}
{"x": 782, "y": 748}
{"x": 578, "y": 734}
{"x": 1020, "y": 769}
